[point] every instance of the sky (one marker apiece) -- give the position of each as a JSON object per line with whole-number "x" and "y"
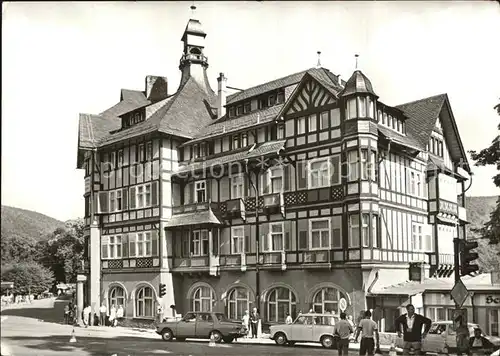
{"x": 62, "y": 59}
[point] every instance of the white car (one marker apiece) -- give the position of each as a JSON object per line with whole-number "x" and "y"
{"x": 442, "y": 338}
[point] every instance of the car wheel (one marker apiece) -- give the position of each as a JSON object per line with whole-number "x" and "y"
{"x": 228, "y": 339}
{"x": 180, "y": 339}
{"x": 216, "y": 335}
{"x": 280, "y": 339}
{"x": 167, "y": 335}
{"x": 327, "y": 341}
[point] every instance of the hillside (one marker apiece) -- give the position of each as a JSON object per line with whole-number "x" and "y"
{"x": 22, "y": 228}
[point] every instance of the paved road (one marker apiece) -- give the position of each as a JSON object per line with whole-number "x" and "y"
{"x": 36, "y": 330}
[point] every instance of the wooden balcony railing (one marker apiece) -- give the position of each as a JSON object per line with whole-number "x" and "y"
{"x": 448, "y": 207}
{"x": 187, "y": 208}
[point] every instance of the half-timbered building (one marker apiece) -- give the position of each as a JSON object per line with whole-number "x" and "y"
{"x": 305, "y": 192}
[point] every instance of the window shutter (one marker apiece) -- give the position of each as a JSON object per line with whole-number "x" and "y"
{"x": 248, "y": 248}
{"x": 131, "y": 244}
{"x": 286, "y": 178}
{"x": 132, "y": 197}
{"x": 301, "y": 175}
{"x": 287, "y": 241}
{"x": 215, "y": 241}
{"x": 264, "y": 236}
{"x": 191, "y": 243}
{"x": 125, "y": 245}
{"x": 154, "y": 193}
{"x": 125, "y": 198}
{"x": 154, "y": 243}
{"x": 102, "y": 206}
{"x": 265, "y": 182}
{"x": 334, "y": 169}
{"x": 189, "y": 193}
{"x": 104, "y": 246}
{"x": 303, "y": 240}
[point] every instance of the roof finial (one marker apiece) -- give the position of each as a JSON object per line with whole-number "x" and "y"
{"x": 193, "y": 8}
{"x": 319, "y": 59}
{"x": 356, "y": 55}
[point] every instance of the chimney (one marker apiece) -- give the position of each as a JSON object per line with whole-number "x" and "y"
{"x": 156, "y": 88}
{"x": 221, "y": 95}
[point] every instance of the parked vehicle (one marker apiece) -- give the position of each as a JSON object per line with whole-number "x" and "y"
{"x": 307, "y": 327}
{"x": 201, "y": 325}
{"x": 442, "y": 338}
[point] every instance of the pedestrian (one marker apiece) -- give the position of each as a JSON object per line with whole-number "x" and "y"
{"x": 246, "y": 322}
{"x": 120, "y": 313}
{"x": 254, "y": 321}
{"x": 112, "y": 315}
{"x": 66, "y": 314}
{"x": 369, "y": 330}
{"x": 409, "y": 326}
{"x": 478, "y": 344}
{"x": 86, "y": 315}
{"x": 462, "y": 336}
{"x": 102, "y": 313}
{"x": 344, "y": 330}
{"x": 288, "y": 319}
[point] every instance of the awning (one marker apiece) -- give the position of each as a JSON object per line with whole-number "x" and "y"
{"x": 194, "y": 218}
{"x": 398, "y": 138}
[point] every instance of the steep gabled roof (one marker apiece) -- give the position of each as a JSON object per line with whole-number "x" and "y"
{"x": 422, "y": 116}
{"x": 321, "y": 74}
{"x": 93, "y": 128}
{"x": 132, "y": 95}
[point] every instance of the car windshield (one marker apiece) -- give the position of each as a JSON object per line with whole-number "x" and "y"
{"x": 221, "y": 317}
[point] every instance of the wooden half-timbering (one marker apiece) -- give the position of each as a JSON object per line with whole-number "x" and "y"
{"x": 311, "y": 95}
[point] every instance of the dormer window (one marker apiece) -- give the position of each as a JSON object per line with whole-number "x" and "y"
{"x": 149, "y": 151}
{"x": 239, "y": 110}
{"x": 236, "y": 141}
{"x": 394, "y": 123}
{"x": 119, "y": 159}
{"x": 281, "y": 131}
{"x": 280, "y": 98}
{"x": 231, "y": 111}
{"x": 379, "y": 116}
{"x": 244, "y": 140}
{"x": 203, "y": 149}
{"x": 389, "y": 120}
{"x": 384, "y": 119}
{"x": 247, "y": 107}
{"x": 196, "y": 151}
{"x": 140, "y": 152}
{"x": 271, "y": 100}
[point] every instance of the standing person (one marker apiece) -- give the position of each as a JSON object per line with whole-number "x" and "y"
{"x": 112, "y": 315}
{"x": 369, "y": 329}
{"x": 344, "y": 330}
{"x": 86, "y": 315}
{"x": 478, "y": 344}
{"x": 120, "y": 313}
{"x": 246, "y": 321}
{"x": 288, "y": 319}
{"x": 103, "y": 311}
{"x": 66, "y": 314}
{"x": 462, "y": 336}
{"x": 254, "y": 321}
{"x": 409, "y": 326}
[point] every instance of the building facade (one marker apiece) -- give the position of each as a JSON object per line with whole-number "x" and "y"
{"x": 297, "y": 194}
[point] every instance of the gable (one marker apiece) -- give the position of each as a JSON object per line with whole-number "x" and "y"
{"x": 309, "y": 94}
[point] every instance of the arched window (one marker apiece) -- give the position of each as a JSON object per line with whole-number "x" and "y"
{"x": 281, "y": 301}
{"x": 327, "y": 300}
{"x": 238, "y": 301}
{"x": 144, "y": 303}
{"x": 116, "y": 297}
{"x": 203, "y": 299}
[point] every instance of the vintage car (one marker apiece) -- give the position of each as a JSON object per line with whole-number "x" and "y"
{"x": 442, "y": 338}
{"x": 308, "y": 327}
{"x": 201, "y": 325}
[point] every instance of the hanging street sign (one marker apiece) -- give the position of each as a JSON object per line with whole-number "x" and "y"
{"x": 459, "y": 293}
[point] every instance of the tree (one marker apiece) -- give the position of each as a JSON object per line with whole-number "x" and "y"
{"x": 28, "y": 277}
{"x": 64, "y": 250}
{"x": 491, "y": 156}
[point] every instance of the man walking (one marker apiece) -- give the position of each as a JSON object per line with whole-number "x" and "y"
{"x": 254, "y": 322}
{"x": 409, "y": 326}
{"x": 344, "y": 330}
{"x": 369, "y": 329}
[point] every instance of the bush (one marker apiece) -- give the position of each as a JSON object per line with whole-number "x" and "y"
{"x": 28, "y": 277}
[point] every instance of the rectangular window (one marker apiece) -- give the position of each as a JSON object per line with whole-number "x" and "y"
{"x": 140, "y": 153}
{"x": 364, "y": 164}
{"x": 335, "y": 117}
{"x": 281, "y": 97}
{"x": 418, "y": 191}
{"x": 337, "y": 231}
{"x": 312, "y": 122}
{"x": 354, "y": 230}
{"x": 236, "y": 141}
{"x": 361, "y": 107}
{"x": 237, "y": 184}
{"x": 352, "y": 158}
{"x": 200, "y": 243}
{"x": 272, "y": 100}
{"x": 231, "y": 111}
{"x": 412, "y": 183}
{"x": 375, "y": 235}
{"x": 147, "y": 195}
{"x": 416, "y": 237}
{"x": 319, "y": 173}
{"x": 276, "y": 240}
{"x": 200, "y": 193}
{"x": 140, "y": 196}
{"x": 301, "y": 125}
{"x": 112, "y": 160}
{"x": 281, "y": 132}
{"x": 239, "y": 110}
{"x": 115, "y": 200}
{"x": 115, "y": 246}
{"x": 276, "y": 180}
{"x": 373, "y": 166}
{"x": 244, "y": 140}
{"x": 143, "y": 244}
{"x": 441, "y": 153}
{"x": 143, "y": 196}
{"x": 319, "y": 233}
{"x": 119, "y": 159}
{"x": 323, "y": 121}
{"x": 247, "y": 107}
{"x": 149, "y": 151}
{"x": 238, "y": 240}
{"x": 494, "y": 317}
{"x": 365, "y": 218}
{"x": 351, "y": 109}
{"x": 112, "y": 201}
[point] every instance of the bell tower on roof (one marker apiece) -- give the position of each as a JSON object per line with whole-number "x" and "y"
{"x": 193, "y": 61}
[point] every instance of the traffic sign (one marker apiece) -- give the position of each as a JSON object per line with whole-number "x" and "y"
{"x": 342, "y": 304}
{"x": 459, "y": 293}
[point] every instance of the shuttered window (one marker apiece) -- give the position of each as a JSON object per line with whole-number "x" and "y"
{"x": 141, "y": 196}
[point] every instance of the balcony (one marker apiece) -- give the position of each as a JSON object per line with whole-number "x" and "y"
{"x": 193, "y": 58}
{"x": 273, "y": 260}
{"x": 447, "y": 207}
{"x": 314, "y": 196}
{"x": 316, "y": 259}
{"x": 235, "y": 209}
{"x": 189, "y": 208}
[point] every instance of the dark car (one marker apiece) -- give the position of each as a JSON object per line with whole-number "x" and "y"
{"x": 201, "y": 325}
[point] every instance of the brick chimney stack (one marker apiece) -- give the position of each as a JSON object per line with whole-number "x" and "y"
{"x": 221, "y": 95}
{"x": 156, "y": 88}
